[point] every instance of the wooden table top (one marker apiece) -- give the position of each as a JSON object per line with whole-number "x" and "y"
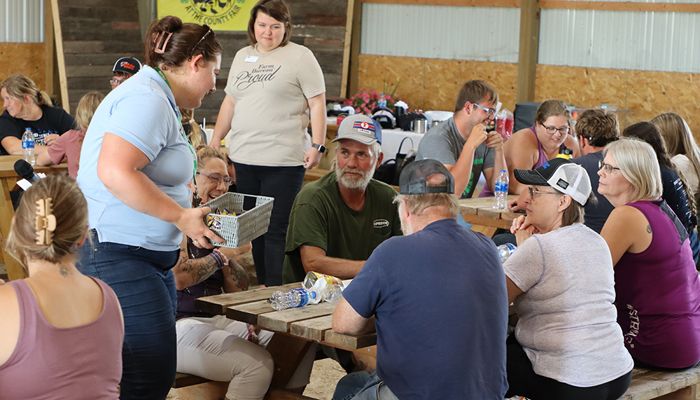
{"x": 311, "y": 322}
{"x": 480, "y": 211}
{"x": 7, "y": 164}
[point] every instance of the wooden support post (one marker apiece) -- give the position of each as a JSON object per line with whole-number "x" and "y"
{"x": 49, "y": 49}
{"x": 355, "y": 38}
{"x": 529, "y": 45}
{"x": 62, "y": 78}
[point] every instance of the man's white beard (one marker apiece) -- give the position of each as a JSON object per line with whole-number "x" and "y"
{"x": 351, "y": 183}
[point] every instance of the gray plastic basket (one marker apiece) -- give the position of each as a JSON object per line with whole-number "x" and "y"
{"x": 244, "y": 226}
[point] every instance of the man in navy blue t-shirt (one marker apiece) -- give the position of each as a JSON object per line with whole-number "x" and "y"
{"x": 439, "y": 300}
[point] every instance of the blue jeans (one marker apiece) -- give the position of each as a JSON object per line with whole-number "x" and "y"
{"x": 282, "y": 184}
{"x": 362, "y": 386}
{"x": 145, "y": 287}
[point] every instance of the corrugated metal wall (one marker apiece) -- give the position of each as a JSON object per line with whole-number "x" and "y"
{"x": 655, "y": 41}
{"x": 462, "y": 33}
{"x": 22, "y": 21}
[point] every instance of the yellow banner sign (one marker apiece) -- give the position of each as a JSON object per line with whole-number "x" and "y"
{"x": 220, "y": 15}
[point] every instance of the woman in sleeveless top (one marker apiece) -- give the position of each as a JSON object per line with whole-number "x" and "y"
{"x": 676, "y": 192}
{"x": 531, "y": 147}
{"x": 62, "y": 331}
{"x": 657, "y": 286}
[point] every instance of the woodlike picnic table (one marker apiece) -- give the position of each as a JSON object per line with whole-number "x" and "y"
{"x": 295, "y": 328}
{"x": 479, "y": 211}
{"x": 8, "y": 179}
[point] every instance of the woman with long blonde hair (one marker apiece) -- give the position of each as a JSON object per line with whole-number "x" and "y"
{"x": 26, "y": 106}
{"x": 682, "y": 147}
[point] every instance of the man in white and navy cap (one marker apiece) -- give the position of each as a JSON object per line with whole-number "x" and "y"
{"x": 123, "y": 69}
{"x": 337, "y": 221}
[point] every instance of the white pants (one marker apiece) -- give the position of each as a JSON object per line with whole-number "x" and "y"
{"x": 215, "y": 348}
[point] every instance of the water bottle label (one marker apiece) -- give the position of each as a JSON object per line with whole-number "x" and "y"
{"x": 27, "y": 144}
{"x": 501, "y": 187}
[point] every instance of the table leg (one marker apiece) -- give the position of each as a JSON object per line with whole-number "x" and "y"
{"x": 287, "y": 352}
{"x": 14, "y": 269}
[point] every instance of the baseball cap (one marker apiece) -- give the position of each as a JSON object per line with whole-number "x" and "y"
{"x": 562, "y": 175}
{"x": 360, "y": 128}
{"x": 425, "y": 176}
{"x": 129, "y": 65}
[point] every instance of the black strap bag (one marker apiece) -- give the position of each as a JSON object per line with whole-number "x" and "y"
{"x": 390, "y": 170}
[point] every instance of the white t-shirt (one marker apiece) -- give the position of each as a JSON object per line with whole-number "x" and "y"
{"x": 685, "y": 166}
{"x": 568, "y": 322}
{"x": 272, "y": 111}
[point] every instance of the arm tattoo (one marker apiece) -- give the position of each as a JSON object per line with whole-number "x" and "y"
{"x": 196, "y": 269}
{"x": 237, "y": 277}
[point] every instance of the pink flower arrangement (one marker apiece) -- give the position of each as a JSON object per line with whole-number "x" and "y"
{"x": 367, "y": 100}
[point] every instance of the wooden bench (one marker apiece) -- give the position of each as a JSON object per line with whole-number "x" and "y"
{"x": 648, "y": 384}
{"x": 217, "y": 390}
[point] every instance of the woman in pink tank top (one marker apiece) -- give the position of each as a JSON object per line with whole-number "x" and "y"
{"x": 531, "y": 147}
{"x": 62, "y": 332}
{"x": 657, "y": 286}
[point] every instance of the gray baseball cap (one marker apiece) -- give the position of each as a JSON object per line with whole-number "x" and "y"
{"x": 360, "y": 128}
{"x": 426, "y": 176}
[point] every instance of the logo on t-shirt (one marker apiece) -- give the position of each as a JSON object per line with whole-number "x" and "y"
{"x": 380, "y": 223}
{"x": 260, "y": 74}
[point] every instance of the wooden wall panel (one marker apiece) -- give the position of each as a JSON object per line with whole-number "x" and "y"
{"x": 432, "y": 84}
{"x": 24, "y": 58}
{"x": 640, "y": 95}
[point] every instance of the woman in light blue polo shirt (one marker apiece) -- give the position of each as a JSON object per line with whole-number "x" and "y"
{"x": 136, "y": 164}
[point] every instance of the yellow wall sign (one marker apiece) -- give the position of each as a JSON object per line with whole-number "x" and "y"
{"x": 220, "y": 15}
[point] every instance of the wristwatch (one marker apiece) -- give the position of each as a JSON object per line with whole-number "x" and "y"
{"x": 321, "y": 148}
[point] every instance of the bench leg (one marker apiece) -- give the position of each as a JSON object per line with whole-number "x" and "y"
{"x": 687, "y": 393}
{"x": 287, "y": 352}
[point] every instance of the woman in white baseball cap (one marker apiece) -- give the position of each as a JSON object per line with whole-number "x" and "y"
{"x": 567, "y": 343}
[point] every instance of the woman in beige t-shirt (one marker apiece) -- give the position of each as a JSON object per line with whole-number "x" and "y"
{"x": 275, "y": 89}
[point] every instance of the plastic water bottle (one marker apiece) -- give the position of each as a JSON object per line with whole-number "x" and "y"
{"x": 328, "y": 287}
{"x": 505, "y": 251}
{"x": 501, "y": 190}
{"x": 298, "y": 297}
{"x": 28, "y": 146}
{"x": 381, "y": 103}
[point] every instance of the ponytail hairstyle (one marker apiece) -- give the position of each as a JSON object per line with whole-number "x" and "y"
{"x": 170, "y": 42}
{"x": 19, "y": 86}
{"x": 50, "y": 221}
{"x": 191, "y": 127}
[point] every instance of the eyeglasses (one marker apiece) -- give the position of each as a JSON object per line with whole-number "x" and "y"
{"x": 607, "y": 168}
{"x": 116, "y": 81}
{"x": 553, "y": 129}
{"x": 217, "y": 177}
{"x": 487, "y": 110}
{"x": 533, "y": 192}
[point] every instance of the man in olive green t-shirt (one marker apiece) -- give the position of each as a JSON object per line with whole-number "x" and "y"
{"x": 337, "y": 221}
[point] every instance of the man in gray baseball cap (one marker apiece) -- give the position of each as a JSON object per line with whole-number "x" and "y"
{"x": 439, "y": 271}
{"x": 337, "y": 221}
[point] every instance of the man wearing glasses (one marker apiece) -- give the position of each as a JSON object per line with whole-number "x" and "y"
{"x": 123, "y": 69}
{"x": 462, "y": 144}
